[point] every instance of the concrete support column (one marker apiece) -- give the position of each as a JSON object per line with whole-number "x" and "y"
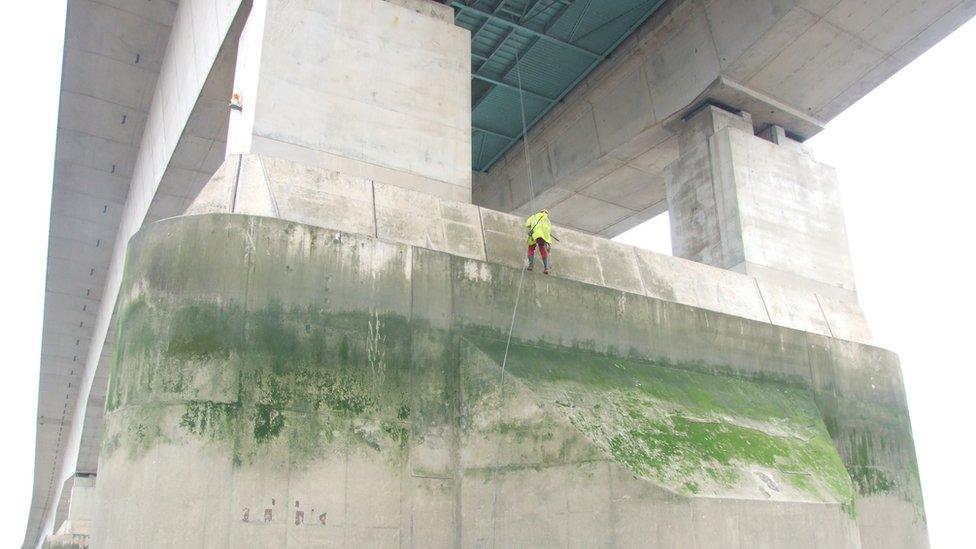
{"x": 756, "y": 205}
{"x": 371, "y": 88}
{"x": 75, "y": 531}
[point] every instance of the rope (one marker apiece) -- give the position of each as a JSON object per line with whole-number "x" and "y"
{"x": 525, "y": 134}
{"x": 511, "y": 328}
{"x": 525, "y": 129}
{"x": 501, "y": 403}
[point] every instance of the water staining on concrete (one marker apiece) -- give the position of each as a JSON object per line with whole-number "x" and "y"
{"x": 296, "y": 358}
{"x": 241, "y": 378}
{"x": 685, "y": 429}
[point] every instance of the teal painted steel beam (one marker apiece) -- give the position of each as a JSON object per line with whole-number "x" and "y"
{"x": 522, "y": 51}
{"x": 555, "y": 18}
{"x": 579, "y": 19}
{"x": 513, "y": 88}
{"x": 503, "y": 73}
{"x": 495, "y": 134}
{"x": 484, "y": 60}
{"x": 533, "y": 32}
{"x": 495, "y": 49}
{"x": 531, "y": 6}
{"x": 481, "y": 150}
{"x": 494, "y": 10}
{"x": 652, "y": 5}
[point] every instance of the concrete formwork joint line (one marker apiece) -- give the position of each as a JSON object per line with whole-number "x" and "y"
{"x": 233, "y": 188}
{"x": 762, "y": 299}
{"x": 267, "y": 184}
{"x": 376, "y": 224}
{"x": 823, "y": 313}
{"x": 484, "y": 239}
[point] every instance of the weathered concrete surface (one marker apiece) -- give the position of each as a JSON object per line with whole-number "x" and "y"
{"x": 277, "y": 384}
{"x": 142, "y": 126}
{"x": 132, "y": 76}
{"x": 259, "y": 185}
{"x": 371, "y": 88}
{"x": 75, "y": 531}
{"x": 139, "y": 124}
{"x": 741, "y": 202}
{"x": 598, "y": 157}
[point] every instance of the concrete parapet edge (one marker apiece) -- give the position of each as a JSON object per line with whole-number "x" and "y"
{"x": 265, "y": 186}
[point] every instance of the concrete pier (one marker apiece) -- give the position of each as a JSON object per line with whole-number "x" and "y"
{"x": 75, "y": 530}
{"x": 279, "y": 298}
{"x": 370, "y": 88}
{"x": 744, "y": 203}
{"x": 278, "y": 383}
{"x": 334, "y": 388}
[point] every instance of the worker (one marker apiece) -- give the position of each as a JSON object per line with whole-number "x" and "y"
{"x": 540, "y": 236}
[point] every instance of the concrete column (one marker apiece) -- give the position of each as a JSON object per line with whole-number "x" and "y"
{"x": 371, "y": 88}
{"x": 75, "y": 531}
{"x": 759, "y": 206}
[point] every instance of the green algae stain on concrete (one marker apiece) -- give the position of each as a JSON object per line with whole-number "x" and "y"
{"x": 251, "y": 380}
{"x": 871, "y": 437}
{"x": 204, "y": 331}
{"x": 217, "y": 373}
{"x": 693, "y": 432}
{"x": 213, "y": 419}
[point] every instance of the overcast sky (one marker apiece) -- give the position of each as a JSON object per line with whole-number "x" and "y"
{"x": 905, "y": 154}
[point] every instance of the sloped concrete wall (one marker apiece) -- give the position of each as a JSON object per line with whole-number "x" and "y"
{"x": 277, "y": 384}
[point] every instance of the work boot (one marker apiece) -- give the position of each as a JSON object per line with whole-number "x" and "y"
{"x": 531, "y": 261}
{"x": 545, "y": 271}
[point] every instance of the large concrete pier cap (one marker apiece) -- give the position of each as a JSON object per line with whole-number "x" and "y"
{"x": 286, "y": 248}
{"x": 277, "y": 383}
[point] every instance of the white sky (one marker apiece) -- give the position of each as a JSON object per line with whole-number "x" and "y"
{"x": 906, "y": 158}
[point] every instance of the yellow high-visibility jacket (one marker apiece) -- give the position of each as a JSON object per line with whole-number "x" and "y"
{"x": 541, "y": 227}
